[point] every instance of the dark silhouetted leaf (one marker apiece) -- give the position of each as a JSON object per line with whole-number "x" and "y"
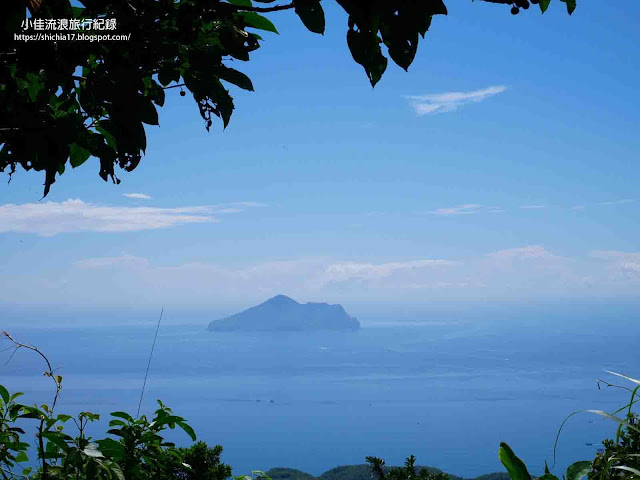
{"x": 311, "y": 14}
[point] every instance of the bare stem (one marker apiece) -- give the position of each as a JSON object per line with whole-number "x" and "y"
{"x": 266, "y": 9}
{"x": 12, "y": 474}
{"x": 56, "y": 380}
{"x": 48, "y": 373}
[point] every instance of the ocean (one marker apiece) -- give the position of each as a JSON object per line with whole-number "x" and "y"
{"x": 447, "y": 390}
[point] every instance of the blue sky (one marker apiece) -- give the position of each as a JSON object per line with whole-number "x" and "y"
{"x": 502, "y": 166}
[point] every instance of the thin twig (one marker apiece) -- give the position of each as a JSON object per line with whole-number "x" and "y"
{"x": 48, "y": 373}
{"x": 265, "y": 9}
{"x": 144, "y": 384}
{"x": 15, "y": 349}
{"x": 598, "y": 382}
{"x": 56, "y": 380}
{"x": 5, "y": 471}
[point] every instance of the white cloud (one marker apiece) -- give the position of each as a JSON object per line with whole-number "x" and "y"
{"x": 339, "y": 272}
{"x": 618, "y": 202}
{"x": 450, "y": 101}
{"x": 528, "y": 252}
{"x": 140, "y": 196}
{"x": 514, "y": 273}
{"x": 458, "y": 210}
{"x": 532, "y": 207}
{"x": 626, "y": 264}
{"x": 74, "y": 215}
{"x": 123, "y": 261}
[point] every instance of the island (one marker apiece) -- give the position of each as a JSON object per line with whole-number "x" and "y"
{"x": 282, "y": 313}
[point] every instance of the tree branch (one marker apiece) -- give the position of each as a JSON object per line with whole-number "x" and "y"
{"x": 48, "y": 373}
{"x": 5, "y": 471}
{"x": 288, "y": 6}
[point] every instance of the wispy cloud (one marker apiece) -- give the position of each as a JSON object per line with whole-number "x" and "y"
{"x": 626, "y": 264}
{"x": 123, "y": 261}
{"x": 450, "y": 101}
{"x": 458, "y": 210}
{"x": 338, "y": 272}
{"x": 528, "y": 252}
{"x": 531, "y": 271}
{"x": 618, "y": 202}
{"x": 532, "y": 207}
{"x": 140, "y": 196}
{"x": 74, "y": 215}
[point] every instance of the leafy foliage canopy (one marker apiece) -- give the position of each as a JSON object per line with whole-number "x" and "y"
{"x": 62, "y": 102}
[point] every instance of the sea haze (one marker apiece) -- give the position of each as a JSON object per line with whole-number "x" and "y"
{"x": 445, "y": 388}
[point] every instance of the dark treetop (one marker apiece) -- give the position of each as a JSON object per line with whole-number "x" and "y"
{"x": 282, "y": 313}
{"x": 360, "y": 472}
{"x": 62, "y": 102}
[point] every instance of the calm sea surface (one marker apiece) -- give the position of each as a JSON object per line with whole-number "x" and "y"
{"x": 447, "y": 392}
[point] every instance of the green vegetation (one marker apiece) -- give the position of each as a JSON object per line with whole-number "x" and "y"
{"x": 407, "y": 472}
{"x": 620, "y": 459}
{"x": 283, "y": 473}
{"x": 137, "y": 450}
{"x": 63, "y": 102}
{"x": 363, "y": 472}
{"x": 134, "y": 450}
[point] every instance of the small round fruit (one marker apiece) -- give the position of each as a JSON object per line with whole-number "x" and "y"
{"x": 182, "y": 93}
{"x": 515, "y": 10}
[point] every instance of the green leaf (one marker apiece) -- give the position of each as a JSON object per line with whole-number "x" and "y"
{"x": 241, "y": 3}
{"x": 32, "y": 412}
{"x": 34, "y": 85}
{"x": 146, "y": 111}
{"x": 124, "y": 415}
{"x": 548, "y": 476}
{"x": 115, "y": 469}
{"x": 516, "y": 467}
{"x": 234, "y": 76}
{"x": 544, "y": 4}
{"x": 77, "y": 12}
{"x": 578, "y": 470}
{"x": 4, "y": 393}
{"x": 635, "y": 471}
{"x": 119, "y": 432}
{"x": 571, "y": 5}
{"x": 633, "y": 380}
{"x": 111, "y": 142}
{"x": 365, "y": 49}
{"x": 187, "y": 428}
{"x": 111, "y": 448}
{"x": 254, "y": 20}
{"x": 614, "y": 418}
{"x": 311, "y": 14}
{"x": 167, "y": 420}
{"x": 56, "y": 439}
{"x": 168, "y": 74}
{"x": 78, "y": 155}
{"x": 22, "y": 457}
